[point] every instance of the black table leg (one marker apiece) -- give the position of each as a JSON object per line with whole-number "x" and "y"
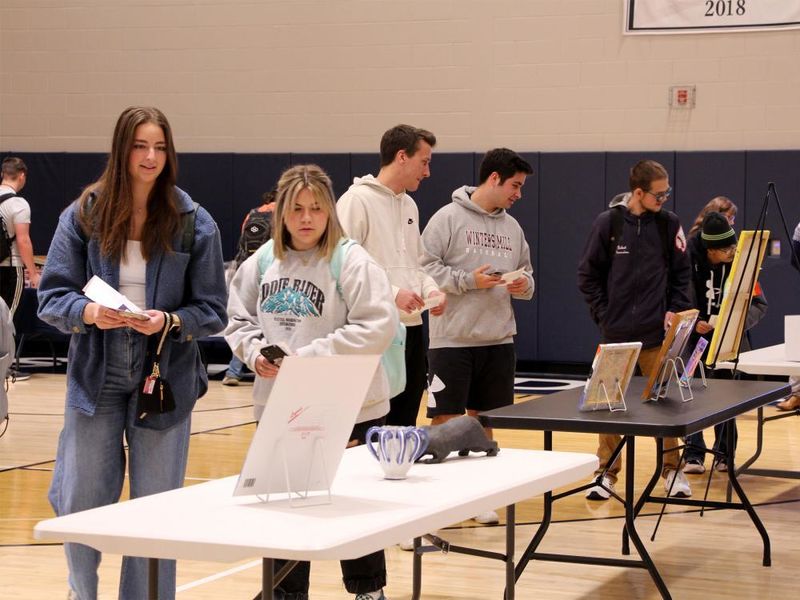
{"x": 630, "y": 514}
{"x": 511, "y": 522}
{"x": 647, "y": 490}
{"x": 734, "y": 482}
{"x": 267, "y": 578}
{"x": 152, "y": 579}
{"x": 547, "y": 515}
{"x": 416, "y": 583}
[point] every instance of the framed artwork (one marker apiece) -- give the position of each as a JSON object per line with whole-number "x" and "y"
{"x": 612, "y": 369}
{"x": 680, "y": 328}
{"x": 303, "y": 432}
{"x": 736, "y": 296}
{"x": 693, "y": 361}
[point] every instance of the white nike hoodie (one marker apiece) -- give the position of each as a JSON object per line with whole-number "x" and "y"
{"x": 387, "y": 226}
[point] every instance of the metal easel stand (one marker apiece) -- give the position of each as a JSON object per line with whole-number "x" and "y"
{"x": 669, "y": 371}
{"x": 687, "y": 381}
{"x": 299, "y": 498}
{"x": 616, "y": 406}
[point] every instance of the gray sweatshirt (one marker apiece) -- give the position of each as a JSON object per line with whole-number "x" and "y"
{"x": 296, "y": 304}
{"x": 460, "y": 238}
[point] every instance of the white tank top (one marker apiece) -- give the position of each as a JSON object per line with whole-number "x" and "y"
{"x": 132, "y": 274}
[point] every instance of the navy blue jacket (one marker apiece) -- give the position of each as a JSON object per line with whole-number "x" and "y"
{"x": 630, "y": 292}
{"x": 190, "y": 285}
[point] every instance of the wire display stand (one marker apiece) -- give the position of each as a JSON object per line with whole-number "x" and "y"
{"x": 303, "y": 496}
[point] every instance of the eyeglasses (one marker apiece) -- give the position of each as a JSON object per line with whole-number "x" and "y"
{"x": 661, "y": 196}
{"x": 728, "y": 250}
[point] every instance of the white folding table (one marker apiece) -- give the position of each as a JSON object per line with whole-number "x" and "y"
{"x": 366, "y": 513}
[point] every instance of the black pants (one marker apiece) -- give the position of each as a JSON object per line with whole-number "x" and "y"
{"x": 11, "y": 281}
{"x": 360, "y": 575}
{"x": 405, "y": 406}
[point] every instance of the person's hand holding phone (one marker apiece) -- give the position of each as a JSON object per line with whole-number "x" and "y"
{"x": 153, "y": 321}
{"x": 264, "y": 368}
{"x": 486, "y": 277}
{"x": 269, "y": 362}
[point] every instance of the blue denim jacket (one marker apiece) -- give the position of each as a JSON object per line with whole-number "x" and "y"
{"x": 191, "y": 285}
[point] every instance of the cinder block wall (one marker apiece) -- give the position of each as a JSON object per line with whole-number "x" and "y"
{"x": 331, "y": 75}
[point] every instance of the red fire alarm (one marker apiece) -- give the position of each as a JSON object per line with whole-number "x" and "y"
{"x": 682, "y": 96}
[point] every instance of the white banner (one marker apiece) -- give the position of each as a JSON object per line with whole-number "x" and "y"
{"x": 704, "y": 16}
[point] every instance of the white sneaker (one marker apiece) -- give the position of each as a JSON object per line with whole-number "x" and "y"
{"x": 694, "y": 467}
{"x": 488, "y": 518}
{"x": 680, "y": 489}
{"x": 407, "y": 545}
{"x": 598, "y": 493}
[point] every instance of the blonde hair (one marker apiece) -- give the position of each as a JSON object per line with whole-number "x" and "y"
{"x": 720, "y": 204}
{"x": 293, "y": 181}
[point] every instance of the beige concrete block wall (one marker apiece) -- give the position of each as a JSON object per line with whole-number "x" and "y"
{"x": 332, "y": 75}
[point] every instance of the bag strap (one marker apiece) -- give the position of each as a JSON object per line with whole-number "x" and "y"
{"x": 266, "y": 256}
{"x": 167, "y": 326}
{"x": 337, "y": 260}
{"x": 3, "y": 198}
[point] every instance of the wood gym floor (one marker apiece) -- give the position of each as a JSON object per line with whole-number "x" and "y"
{"x": 714, "y": 556}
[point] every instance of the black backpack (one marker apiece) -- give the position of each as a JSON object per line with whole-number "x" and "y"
{"x": 5, "y": 237}
{"x": 257, "y": 231}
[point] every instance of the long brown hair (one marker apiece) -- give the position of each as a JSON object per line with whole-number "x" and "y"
{"x": 720, "y": 204}
{"x": 109, "y": 218}
{"x": 293, "y": 181}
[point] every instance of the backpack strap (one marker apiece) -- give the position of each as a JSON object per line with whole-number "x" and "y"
{"x": 266, "y": 256}
{"x": 618, "y": 222}
{"x": 3, "y": 198}
{"x": 188, "y": 219}
{"x": 187, "y": 222}
{"x": 337, "y": 259}
{"x": 662, "y": 220}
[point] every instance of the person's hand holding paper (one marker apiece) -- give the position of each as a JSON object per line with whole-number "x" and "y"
{"x": 110, "y": 310}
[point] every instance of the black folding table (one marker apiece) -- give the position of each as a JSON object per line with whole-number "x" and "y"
{"x": 721, "y": 401}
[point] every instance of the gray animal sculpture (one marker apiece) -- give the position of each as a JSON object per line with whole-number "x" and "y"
{"x": 464, "y": 434}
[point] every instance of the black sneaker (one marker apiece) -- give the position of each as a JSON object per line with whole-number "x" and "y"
{"x": 694, "y": 467}
{"x": 18, "y": 375}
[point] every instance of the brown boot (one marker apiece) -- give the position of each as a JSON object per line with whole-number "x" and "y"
{"x": 791, "y": 403}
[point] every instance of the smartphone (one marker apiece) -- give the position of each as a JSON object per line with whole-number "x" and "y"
{"x": 273, "y": 354}
{"x": 134, "y": 315}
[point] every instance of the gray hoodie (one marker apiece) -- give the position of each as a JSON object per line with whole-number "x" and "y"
{"x": 460, "y": 238}
{"x": 296, "y": 304}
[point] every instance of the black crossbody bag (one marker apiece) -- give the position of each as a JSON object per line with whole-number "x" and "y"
{"x": 155, "y": 395}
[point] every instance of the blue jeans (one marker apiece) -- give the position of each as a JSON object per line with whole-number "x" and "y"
{"x": 235, "y": 368}
{"x": 90, "y": 465}
{"x": 696, "y": 445}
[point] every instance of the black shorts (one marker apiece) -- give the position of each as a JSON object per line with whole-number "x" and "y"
{"x": 476, "y": 378}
